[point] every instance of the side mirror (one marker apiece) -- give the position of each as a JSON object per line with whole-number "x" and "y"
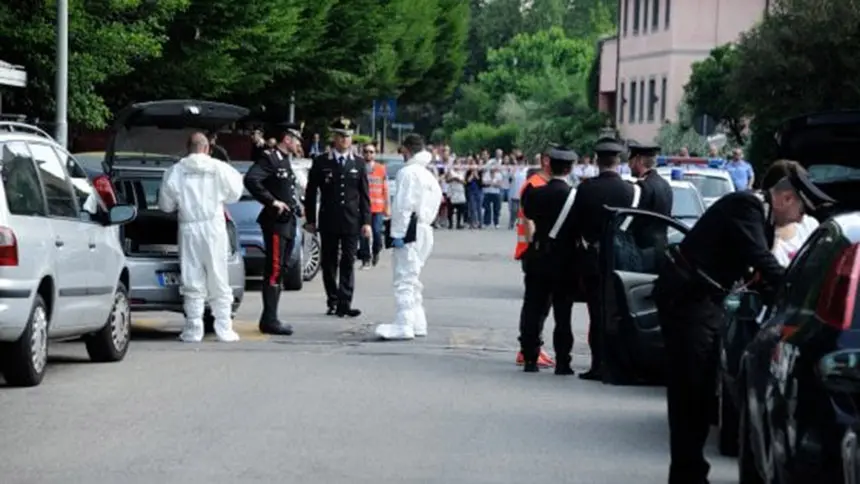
{"x": 840, "y": 371}
{"x": 121, "y": 214}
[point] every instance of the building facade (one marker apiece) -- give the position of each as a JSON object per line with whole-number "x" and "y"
{"x": 644, "y": 68}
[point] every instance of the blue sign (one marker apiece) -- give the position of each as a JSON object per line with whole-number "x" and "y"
{"x": 385, "y": 108}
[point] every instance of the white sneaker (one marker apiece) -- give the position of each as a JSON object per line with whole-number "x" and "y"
{"x": 224, "y": 332}
{"x": 192, "y": 332}
{"x": 395, "y": 332}
{"x": 420, "y": 327}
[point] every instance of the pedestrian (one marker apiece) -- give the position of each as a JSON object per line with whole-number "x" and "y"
{"x": 740, "y": 170}
{"x": 370, "y": 248}
{"x": 549, "y": 278}
{"x": 734, "y": 234}
{"x": 416, "y": 202}
{"x": 518, "y": 179}
{"x": 344, "y": 214}
{"x": 492, "y": 181}
{"x": 589, "y": 220}
{"x": 656, "y": 196}
{"x": 474, "y": 193}
{"x": 272, "y": 182}
{"x": 198, "y": 187}
{"x": 456, "y": 179}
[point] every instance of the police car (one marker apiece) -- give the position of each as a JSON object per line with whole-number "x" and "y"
{"x": 706, "y": 174}
{"x": 687, "y": 202}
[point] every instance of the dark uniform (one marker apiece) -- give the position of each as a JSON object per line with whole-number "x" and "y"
{"x": 549, "y": 279}
{"x": 590, "y": 220}
{"x": 734, "y": 234}
{"x": 344, "y": 208}
{"x": 269, "y": 179}
{"x": 656, "y": 196}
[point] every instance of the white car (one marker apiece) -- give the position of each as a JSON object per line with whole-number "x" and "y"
{"x": 712, "y": 183}
{"x": 62, "y": 269}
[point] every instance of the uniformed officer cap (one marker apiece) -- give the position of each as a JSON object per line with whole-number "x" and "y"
{"x": 562, "y": 153}
{"x": 640, "y": 149}
{"x": 608, "y": 146}
{"x": 293, "y": 129}
{"x": 342, "y": 126}
{"x": 811, "y": 196}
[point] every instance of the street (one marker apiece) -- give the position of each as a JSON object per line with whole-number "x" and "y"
{"x": 328, "y": 405}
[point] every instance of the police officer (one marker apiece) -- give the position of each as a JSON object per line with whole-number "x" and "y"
{"x": 344, "y": 213}
{"x": 734, "y": 234}
{"x": 656, "y": 195}
{"x": 589, "y": 220}
{"x": 271, "y": 181}
{"x": 549, "y": 276}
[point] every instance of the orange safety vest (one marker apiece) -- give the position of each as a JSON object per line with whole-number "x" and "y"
{"x": 536, "y": 180}
{"x": 377, "y": 182}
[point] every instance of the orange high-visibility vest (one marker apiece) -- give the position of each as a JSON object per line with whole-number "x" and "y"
{"x": 377, "y": 183}
{"x": 536, "y": 180}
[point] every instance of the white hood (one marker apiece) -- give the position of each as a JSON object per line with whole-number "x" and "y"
{"x": 199, "y": 163}
{"x": 422, "y": 158}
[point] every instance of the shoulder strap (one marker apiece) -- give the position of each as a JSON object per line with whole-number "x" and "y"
{"x": 637, "y": 193}
{"x": 565, "y": 210}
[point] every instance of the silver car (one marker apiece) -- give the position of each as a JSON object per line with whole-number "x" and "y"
{"x": 146, "y": 139}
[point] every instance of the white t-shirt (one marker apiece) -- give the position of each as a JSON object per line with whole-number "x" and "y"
{"x": 784, "y": 250}
{"x": 492, "y": 181}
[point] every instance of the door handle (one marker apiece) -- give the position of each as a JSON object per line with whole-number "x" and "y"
{"x": 59, "y": 243}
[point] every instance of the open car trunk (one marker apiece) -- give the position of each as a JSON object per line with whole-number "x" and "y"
{"x": 156, "y": 234}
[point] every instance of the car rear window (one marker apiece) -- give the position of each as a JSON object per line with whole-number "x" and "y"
{"x": 709, "y": 186}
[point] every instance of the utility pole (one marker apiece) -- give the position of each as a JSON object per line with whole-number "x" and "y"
{"x": 293, "y": 107}
{"x": 62, "y": 78}
{"x": 373, "y": 122}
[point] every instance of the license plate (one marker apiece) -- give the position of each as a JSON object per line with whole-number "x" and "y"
{"x": 169, "y": 279}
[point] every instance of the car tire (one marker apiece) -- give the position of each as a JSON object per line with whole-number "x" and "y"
{"x": 728, "y": 424}
{"x": 311, "y": 255}
{"x": 747, "y": 470}
{"x": 25, "y": 360}
{"x": 111, "y": 343}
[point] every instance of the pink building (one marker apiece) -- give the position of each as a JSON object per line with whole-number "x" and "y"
{"x": 659, "y": 42}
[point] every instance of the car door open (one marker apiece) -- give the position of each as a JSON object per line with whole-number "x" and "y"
{"x": 632, "y": 251}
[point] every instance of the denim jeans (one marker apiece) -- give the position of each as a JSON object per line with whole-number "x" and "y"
{"x": 474, "y": 201}
{"x": 364, "y": 253}
{"x": 492, "y": 207}
{"x": 513, "y": 208}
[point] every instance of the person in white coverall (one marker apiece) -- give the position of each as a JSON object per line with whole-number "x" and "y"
{"x": 197, "y": 187}
{"x": 418, "y": 193}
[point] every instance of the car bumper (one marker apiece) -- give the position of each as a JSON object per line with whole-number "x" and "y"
{"x": 147, "y": 293}
{"x": 16, "y": 301}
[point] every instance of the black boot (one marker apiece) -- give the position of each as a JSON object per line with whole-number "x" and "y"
{"x": 594, "y": 374}
{"x": 269, "y": 323}
{"x": 562, "y": 366}
{"x": 531, "y": 366}
{"x": 345, "y": 310}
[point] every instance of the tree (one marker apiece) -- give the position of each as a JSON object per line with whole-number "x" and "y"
{"x": 708, "y": 91}
{"x": 106, "y": 38}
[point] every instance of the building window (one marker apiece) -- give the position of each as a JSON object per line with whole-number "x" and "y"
{"x": 645, "y": 17}
{"x": 652, "y": 99}
{"x": 668, "y": 12}
{"x": 655, "y": 16}
{"x": 663, "y": 90}
{"x": 626, "y": 14}
{"x": 632, "y": 102}
{"x": 642, "y": 101}
{"x": 637, "y": 11}
{"x": 622, "y": 104}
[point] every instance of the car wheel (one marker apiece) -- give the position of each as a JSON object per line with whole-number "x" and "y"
{"x": 311, "y": 255}
{"x": 728, "y": 424}
{"x": 747, "y": 471}
{"x": 25, "y": 360}
{"x": 111, "y": 342}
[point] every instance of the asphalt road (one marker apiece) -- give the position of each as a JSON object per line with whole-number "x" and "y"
{"x": 329, "y": 406}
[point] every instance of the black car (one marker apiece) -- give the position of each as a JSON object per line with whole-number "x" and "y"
{"x": 798, "y": 380}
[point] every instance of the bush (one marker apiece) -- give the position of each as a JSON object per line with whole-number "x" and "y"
{"x": 478, "y": 136}
{"x": 361, "y": 139}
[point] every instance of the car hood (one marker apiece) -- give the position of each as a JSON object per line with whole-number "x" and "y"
{"x": 159, "y": 130}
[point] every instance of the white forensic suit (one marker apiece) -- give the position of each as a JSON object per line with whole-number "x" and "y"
{"x": 417, "y": 192}
{"x": 198, "y": 186}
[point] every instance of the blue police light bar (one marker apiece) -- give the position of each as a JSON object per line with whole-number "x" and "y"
{"x": 678, "y": 160}
{"x": 677, "y": 174}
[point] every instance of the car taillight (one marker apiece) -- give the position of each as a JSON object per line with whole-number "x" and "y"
{"x": 105, "y": 190}
{"x": 8, "y": 247}
{"x": 839, "y": 291}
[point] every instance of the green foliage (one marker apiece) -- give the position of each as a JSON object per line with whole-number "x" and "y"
{"x": 673, "y": 136}
{"x": 478, "y": 136}
{"x": 708, "y": 91}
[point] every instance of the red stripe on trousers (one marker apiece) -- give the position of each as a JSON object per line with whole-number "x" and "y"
{"x": 276, "y": 260}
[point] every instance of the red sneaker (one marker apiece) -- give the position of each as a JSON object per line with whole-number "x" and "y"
{"x": 544, "y": 360}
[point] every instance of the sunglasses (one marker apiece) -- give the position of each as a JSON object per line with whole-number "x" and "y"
{"x": 370, "y": 152}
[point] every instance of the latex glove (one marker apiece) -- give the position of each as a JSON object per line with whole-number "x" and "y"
{"x": 397, "y": 243}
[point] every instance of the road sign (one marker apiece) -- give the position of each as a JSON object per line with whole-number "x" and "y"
{"x": 406, "y": 126}
{"x": 385, "y": 108}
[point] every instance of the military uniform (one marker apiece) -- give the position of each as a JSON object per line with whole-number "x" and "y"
{"x": 549, "y": 279}
{"x": 344, "y": 207}
{"x": 271, "y": 179}
{"x": 590, "y": 219}
{"x": 656, "y": 196}
{"x": 734, "y": 234}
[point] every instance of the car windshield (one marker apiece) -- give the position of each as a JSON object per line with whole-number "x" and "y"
{"x": 828, "y": 173}
{"x": 90, "y": 161}
{"x": 685, "y": 203}
{"x": 709, "y": 186}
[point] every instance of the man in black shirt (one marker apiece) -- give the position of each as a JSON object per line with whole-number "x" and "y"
{"x": 589, "y": 219}
{"x": 734, "y": 234}
{"x": 656, "y": 196}
{"x": 271, "y": 181}
{"x": 549, "y": 276}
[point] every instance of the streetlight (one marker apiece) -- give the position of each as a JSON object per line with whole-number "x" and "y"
{"x": 62, "y": 78}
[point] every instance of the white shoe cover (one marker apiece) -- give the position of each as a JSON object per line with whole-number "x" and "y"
{"x": 192, "y": 332}
{"x": 224, "y": 332}
{"x": 420, "y": 328}
{"x": 393, "y": 332}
